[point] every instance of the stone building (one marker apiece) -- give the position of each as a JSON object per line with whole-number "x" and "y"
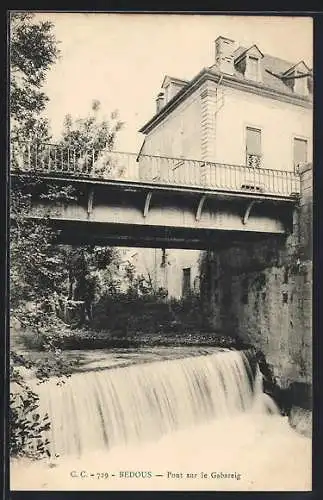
{"x": 175, "y": 271}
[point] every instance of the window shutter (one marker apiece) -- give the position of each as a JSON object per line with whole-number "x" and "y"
{"x": 300, "y": 151}
{"x": 253, "y": 141}
{"x": 300, "y": 84}
{"x": 253, "y": 68}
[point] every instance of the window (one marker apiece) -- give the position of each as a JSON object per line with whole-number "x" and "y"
{"x": 167, "y": 93}
{"x": 253, "y": 68}
{"x": 300, "y": 84}
{"x": 300, "y": 152}
{"x": 186, "y": 288}
{"x": 253, "y": 147}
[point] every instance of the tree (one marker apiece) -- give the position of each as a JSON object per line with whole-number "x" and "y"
{"x": 91, "y": 139}
{"x": 33, "y": 51}
{"x": 34, "y": 271}
{"x": 39, "y": 268}
{"x": 91, "y": 272}
{"x": 92, "y": 132}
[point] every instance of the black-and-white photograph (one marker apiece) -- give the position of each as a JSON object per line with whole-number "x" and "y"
{"x": 160, "y": 244}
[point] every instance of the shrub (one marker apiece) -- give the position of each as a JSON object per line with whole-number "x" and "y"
{"x": 149, "y": 313}
{"x": 27, "y": 426}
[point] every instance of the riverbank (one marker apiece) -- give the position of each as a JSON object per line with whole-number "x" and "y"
{"x": 120, "y": 357}
{"x": 84, "y": 339}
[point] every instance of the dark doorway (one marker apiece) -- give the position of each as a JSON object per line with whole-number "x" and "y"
{"x": 186, "y": 287}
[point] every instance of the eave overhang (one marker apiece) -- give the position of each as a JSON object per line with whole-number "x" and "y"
{"x": 229, "y": 81}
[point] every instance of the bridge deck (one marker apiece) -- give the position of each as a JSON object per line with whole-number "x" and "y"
{"x": 67, "y": 162}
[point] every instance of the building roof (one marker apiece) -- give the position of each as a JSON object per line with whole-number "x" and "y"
{"x": 272, "y": 84}
{"x": 243, "y": 51}
{"x": 300, "y": 65}
{"x": 271, "y": 66}
{"x": 172, "y": 79}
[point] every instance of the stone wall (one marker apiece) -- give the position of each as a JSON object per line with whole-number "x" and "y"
{"x": 262, "y": 291}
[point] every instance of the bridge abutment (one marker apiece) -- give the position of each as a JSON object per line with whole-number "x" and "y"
{"x": 262, "y": 291}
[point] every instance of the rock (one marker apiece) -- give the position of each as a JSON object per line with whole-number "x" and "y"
{"x": 300, "y": 419}
{"x": 301, "y": 394}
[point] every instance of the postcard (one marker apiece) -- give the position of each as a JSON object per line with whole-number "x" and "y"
{"x": 160, "y": 252}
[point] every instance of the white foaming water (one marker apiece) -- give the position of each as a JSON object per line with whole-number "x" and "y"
{"x": 133, "y": 404}
{"x": 168, "y": 417}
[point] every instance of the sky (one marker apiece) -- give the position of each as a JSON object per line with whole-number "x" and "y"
{"x": 121, "y": 59}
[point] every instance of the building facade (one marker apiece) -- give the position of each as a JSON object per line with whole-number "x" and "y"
{"x": 247, "y": 109}
{"x": 174, "y": 271}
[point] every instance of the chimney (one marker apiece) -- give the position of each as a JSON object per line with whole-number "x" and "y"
{"x": 224, "y": 48}
{"x": 160, "y": 101}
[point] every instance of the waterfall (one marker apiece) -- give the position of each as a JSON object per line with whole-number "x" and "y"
{"x": 99, "y": 410}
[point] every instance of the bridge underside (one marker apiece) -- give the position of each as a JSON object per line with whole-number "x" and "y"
{"x": 128, "y": 235}
{"x": 152, "y": 216}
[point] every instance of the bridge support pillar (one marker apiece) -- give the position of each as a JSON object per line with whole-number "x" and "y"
{"x": 90, "y": 201}
{"x": 263, "y": 291}
{"x": 147, "y": 203}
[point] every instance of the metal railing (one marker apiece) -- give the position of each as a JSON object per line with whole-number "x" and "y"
{"x": 58, "y": 160}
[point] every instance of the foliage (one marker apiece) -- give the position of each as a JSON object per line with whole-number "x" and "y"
{"x": 41, "y": 272}
{"x": 139, "y": 308}
{"x": 139, "y": 285}
{"x": 90, "y": 140}
{"x": 91, "y": 270}
{"x": 92, "y": 131}
{"x": 35, "y": 272}
{"x": 103, "y": 339}
{"x": 27, "y": 425}
{"x": 33, "y": 51}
